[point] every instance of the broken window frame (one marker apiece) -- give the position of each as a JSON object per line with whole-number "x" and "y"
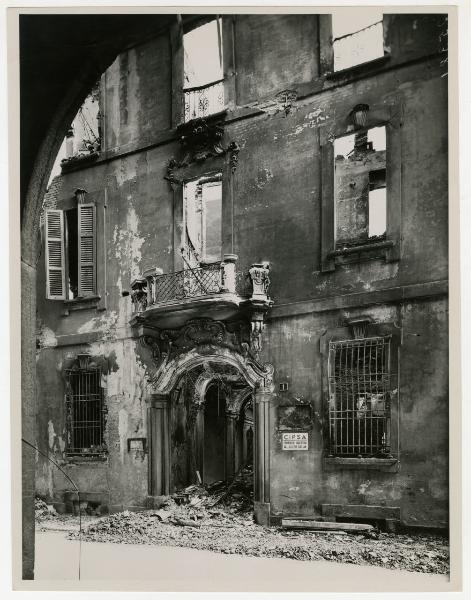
{"x": 196, "y": 259}
{"x": 212, "y": 166}
{"x": 184, "y": 24}
{"x": 359, "y": 240}
{"x": 326, "y": 50}
{"x": 90, "y": 390}
{"x": 389, "y": 116}
{"x": 204, "y": 99}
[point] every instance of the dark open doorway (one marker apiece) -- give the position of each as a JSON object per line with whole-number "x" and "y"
{"x": 214, "y": 454}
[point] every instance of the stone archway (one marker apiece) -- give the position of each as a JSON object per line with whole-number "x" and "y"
{"x": 69, "y": 52}
{"x": 257, "y": 380}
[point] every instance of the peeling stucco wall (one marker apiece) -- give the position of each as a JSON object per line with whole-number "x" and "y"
{"x": 276, "y": 192}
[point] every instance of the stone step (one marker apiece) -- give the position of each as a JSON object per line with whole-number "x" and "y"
{"x": 324, "y": 525}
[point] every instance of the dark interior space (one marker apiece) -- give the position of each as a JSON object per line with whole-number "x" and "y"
{"x": 214, "y": 435}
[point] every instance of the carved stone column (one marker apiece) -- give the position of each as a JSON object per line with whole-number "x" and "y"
{"x": 231, "y": 422}
{"x": 262, "y": 456}
{"x": 159, "y": 448}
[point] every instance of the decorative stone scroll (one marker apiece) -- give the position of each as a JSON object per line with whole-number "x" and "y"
{"x": 201, "y": 139}
{"x": 234, "y": 150}
{"x": 139, "y": 294}
{"x": 259, "y": 274}
{"x": 202, "y": 334}
{"x": 286, "y": 99}
{"x": 260, "y": 301}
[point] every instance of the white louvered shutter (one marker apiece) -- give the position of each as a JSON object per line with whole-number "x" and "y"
{"x": 55, "y": 255}
{"x": 86, "y": 250}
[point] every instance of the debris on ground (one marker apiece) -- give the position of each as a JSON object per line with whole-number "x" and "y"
{"x": 227, "y": 531}
{"x": 48, "y": 519}
{"x": 219, "y": 517}
{"x": 43, "y": 511}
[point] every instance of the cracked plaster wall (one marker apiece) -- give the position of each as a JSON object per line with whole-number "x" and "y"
{"x": 276, "y": 218}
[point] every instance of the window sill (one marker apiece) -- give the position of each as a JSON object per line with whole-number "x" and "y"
{"x": 210, "y": 118}
{"x": 355, "y": 70}
{"x": 85, "y": 459}
{"x": 374, "y": 464}
{"x": 84, "y": 303}
{"x": 79, "y": 161}
{"x": 367, "y": 247}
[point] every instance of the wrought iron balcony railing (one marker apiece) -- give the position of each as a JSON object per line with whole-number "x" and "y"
{"x": 203, "y": 100}
{"x": 155, "y": 289}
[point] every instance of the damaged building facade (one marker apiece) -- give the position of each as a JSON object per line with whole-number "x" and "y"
{"x": 248, "y": 264}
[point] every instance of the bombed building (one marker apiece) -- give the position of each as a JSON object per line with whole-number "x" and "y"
{"x": 245, "y": 262}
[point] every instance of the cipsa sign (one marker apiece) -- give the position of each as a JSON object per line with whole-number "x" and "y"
{"x": 295, "y": 441}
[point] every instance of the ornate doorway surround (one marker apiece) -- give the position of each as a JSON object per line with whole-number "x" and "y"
{"x": 207, "y": 350}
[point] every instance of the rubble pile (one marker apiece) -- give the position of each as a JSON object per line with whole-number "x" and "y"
{"x": 226, "y": 531}
{"x": 219, "y": 518}
{"x": 236, "y": 495}
{"x": 43, "y": 511}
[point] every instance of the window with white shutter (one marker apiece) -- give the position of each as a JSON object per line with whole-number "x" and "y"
{"x": 71, "y": 270}
{"x": 55, "y": 255}
{"x": 86, "y": 250}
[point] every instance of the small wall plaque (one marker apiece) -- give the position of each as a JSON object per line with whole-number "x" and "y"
{"x": 295, "y": 441}
{"x": 137, "y": 444}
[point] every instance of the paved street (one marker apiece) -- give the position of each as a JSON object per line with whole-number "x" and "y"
{"x": 182, "y": 569}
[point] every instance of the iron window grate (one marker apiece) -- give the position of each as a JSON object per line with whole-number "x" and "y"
{"x": 85, "y": 412}
{"x": 359, "y": 399}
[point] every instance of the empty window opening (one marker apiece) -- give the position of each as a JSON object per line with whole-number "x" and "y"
{"x": 84, "y": 412}
{"x": 357, "y": 37}
{"x": 203, "y": 220}
{"x": 360, "y": 187}
{"x": 377, "y": 204}
{"x": 84, "y": 135}
{"x": 203, "y": 70}
{"x": 359, "y": 405}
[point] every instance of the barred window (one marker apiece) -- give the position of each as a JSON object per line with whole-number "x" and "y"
{"x": 84, "y": 412}
{"x": 359, "y": 403}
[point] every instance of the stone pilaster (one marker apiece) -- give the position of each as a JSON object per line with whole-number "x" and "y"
{"x": 262, "y": 456}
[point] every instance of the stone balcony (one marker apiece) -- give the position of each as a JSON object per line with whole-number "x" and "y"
{"x": 215, "y": 291}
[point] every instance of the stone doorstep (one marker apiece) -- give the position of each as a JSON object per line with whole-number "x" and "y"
{"x": 324, "y": 525}
{"x": 361, "y": 511}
